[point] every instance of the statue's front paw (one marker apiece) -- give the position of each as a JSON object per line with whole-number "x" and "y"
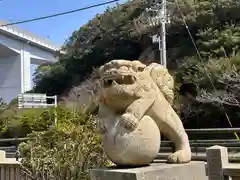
{"x": 129, "y": 121}
{"x": 180, "y": 157}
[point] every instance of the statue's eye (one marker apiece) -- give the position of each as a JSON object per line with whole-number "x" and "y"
{"x": 124, "y": 68}
{"x": 140, "y": 68}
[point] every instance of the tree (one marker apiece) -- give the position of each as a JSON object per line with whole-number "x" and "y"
{"x": 112, "y": 35}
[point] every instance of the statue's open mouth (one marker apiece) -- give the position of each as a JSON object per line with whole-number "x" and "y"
{"x": 121, "y": 80}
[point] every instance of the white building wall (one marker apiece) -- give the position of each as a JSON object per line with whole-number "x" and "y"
{"x": 15, "y": 65}
{"x": 10, "y": 77}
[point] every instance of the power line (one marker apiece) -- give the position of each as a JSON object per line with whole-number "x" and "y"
{"x": 208, "y": 75}
{"x": 59, "y": 14}
{"x": 194, "y": 44}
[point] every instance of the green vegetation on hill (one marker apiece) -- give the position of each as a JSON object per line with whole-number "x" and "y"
{"x": 63, "y": 151}
{"x": 105, "y": 37}
{"x": 214, "y": 26}
{"x": 207, "y": 87}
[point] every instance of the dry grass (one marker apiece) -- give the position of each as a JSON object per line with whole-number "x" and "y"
{"x": 85, "y": 95}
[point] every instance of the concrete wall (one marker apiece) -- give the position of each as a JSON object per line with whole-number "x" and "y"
{"x": 10, "y": 77}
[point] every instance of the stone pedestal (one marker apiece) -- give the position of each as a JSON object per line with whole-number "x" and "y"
{"x": 158, "y": 170}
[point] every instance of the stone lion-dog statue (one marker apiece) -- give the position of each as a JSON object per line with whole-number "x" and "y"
{"x": 134, "y": 107}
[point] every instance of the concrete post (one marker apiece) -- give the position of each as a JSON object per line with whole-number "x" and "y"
{"x": 25, "y": 69}
{"x": 217, "y": 158}
{"x": 2, "y": 155}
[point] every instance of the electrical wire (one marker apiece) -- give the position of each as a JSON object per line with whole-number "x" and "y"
{"x": 194, "y": 44}
{"x": 59, "y": 14}
{"x": 200, "y": 57}
{"x": 50, "y": 16}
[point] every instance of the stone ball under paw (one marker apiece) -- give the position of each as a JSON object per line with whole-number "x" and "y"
{"x": 136, "y": 148}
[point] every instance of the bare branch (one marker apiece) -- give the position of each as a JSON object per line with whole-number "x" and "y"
{"x": 218, "y": 98}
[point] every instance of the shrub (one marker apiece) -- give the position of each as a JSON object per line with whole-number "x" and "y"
{"x": 20, "y": 122}
{"x": 65, "y": 151}
{"x": 208, "y": 90}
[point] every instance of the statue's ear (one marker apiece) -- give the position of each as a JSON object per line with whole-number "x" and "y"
{"x": 106, "y": 66}
{"x": 138, "y": 66}
{"x": 101, "y": 71}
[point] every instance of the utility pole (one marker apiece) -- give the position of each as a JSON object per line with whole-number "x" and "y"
{"x": 158, "y": 16}
{"x": 163, "y": 33}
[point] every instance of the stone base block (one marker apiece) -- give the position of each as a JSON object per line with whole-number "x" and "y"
{"x": 158, "y": 170}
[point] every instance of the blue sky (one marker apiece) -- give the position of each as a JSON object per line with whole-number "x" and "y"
{"x": 57, "y": 29}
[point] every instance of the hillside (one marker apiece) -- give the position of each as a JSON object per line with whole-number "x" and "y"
{"x": 207, "y": 75}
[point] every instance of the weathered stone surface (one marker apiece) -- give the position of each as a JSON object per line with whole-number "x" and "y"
{"x": 232, "y": 170}
{"x": 217, "y": 158}
{"x": 156, "y": 171}
{"x": 138, "y": 147}
{"x": 131, "y": 95}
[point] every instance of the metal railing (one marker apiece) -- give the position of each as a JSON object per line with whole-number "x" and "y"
{"x": 13, "y": 139}
{"x": 198, "y": 147}
{"x": 212, "y": 130}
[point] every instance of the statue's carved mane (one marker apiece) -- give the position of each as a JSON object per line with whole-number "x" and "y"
{"x": 160, "y": 76}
